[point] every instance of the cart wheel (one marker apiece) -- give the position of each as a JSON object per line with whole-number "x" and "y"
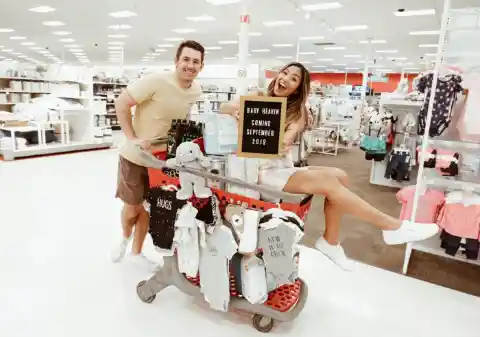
{"x": 265, "y": 326}
{"x": 146, "y": 300}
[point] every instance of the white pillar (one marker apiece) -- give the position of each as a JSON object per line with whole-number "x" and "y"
{"x": 297, "y": 57}
{"x": 243, "y": 50}
{"x": 365, "y": 71}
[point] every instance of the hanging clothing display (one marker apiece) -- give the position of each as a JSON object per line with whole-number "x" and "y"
{"x": 445, "y": 97}
{"x": 460, "y": 216}
{"x": 429, "y": 204}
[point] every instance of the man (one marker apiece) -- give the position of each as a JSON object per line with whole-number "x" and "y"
{"x": 158, "y": 99}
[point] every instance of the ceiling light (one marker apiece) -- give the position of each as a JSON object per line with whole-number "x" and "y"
{"x": 36, "y": 48}
{"x": 428, "y": 45}
{"x": 229, "y": 58}
{"x": 155, "y": 54}
{"x": 118, "y": 36}
{"x": 332, "y": 70}
{"x": 6, "y": 30}
{"x": 306, "y": 62}
{"x": 67, "y": 40}
{"x": 72, "y": 46}
{"x": 310, "y": 38}
{"x": 308, "y": 53}
{"x": 388, "y": 51}
{"x": 398, "y": 58}
{"x": 43, "y": 52}
{"x": 318, "y": 66}
{"x": 174, "y": 39}
{"x": 116, "y": 42}
{"x": 334, "y": 48}
{"x": 53, "y": 23}
{"x": 321, "y": 6}
{"x": 373, "y": 41}
{"x": 213, "y": 48}
{"x": 325, "y": 60}
{"x": 42, "y": 9}
{"x": 76, "y": 50}
{"x": 351, "y": 28}
{"x": 260, "y": 50}
{"x": 282, "y": 45}
{"x": 183, "y": 30}
{"x": 18, "y": 38}
{"x": 228, "y": 42}
{"x": 253, "y": 34}
{"x": 122, "y": 14}
{"x": 431, "y": 54}
{"x": 61, "y": 33}
{"x": 23, "y": 57}
{"x": 221, "y": 2}
{"x": 352, "y": 56}
{"x": 425, "y": 32}
{"x": 27, "y": 43}
{"x": 165, "y": 45}
{"x": 419, "y": 12}
{"x": 411, "y": 68}
{"x": 351, "y": 68}
{"x": 115, "y": 48}
{"x": 278, "y": 23}
{"x": 284, "y": 57}
{"x": 339, "y": 64}
{"x": 16, "y": 53}
{"x": 7, "y": 50}
{"x": 200, "y": 18}
{"x": 160, "y": 50}
{"x": 120, "y": 27}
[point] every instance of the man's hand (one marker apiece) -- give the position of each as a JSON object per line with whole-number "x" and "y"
{"x": 145, "y": 145}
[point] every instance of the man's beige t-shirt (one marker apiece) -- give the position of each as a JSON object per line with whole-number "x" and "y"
{"x": 160, "y": 99}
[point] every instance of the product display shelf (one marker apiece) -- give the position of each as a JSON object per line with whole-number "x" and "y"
{"x": 107, "y": 92}
{"x": 428, "y": 177}
{"x": 399, "y": 109}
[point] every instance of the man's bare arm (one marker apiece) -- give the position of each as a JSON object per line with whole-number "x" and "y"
{"x": 123, "y": 106}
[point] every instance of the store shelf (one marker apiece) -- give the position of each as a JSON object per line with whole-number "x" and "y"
{"x": 402, "y": 103}
{"x": 37, "y": 150}
{"x": 33, "y": 79}
{"x": 455, "y": 145}
{"x": 432, "y": 246}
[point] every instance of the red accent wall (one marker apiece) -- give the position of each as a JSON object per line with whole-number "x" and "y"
{"x": 355, "y": 79}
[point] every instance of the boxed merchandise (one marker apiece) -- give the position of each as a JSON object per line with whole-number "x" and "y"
{"x": 220, "y": 134}
{"x": 245, "y": 169}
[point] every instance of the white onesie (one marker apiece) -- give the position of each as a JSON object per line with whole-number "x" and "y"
{"x": 214, "y": 267}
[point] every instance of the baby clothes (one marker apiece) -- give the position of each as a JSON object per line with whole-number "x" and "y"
{"x": 444, "y": 100}
{"x": 214, "y": 267}
{"x": 429, "y": 204}
{"x": 460, "y": 215}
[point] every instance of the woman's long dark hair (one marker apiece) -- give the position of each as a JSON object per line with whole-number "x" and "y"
{"x": 296, "y": 101}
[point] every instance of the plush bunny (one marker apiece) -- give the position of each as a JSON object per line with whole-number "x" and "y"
{"x": 188, "y": 154}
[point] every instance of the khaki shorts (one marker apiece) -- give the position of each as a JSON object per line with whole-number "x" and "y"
{"x": 133, "y": 183}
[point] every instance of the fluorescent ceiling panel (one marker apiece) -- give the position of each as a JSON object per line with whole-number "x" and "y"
{"x": 284, "y": 57}
{"x": 213, "y": 48}
{"x": 184, "y": 30}
{"x": 334, "y": 48}
{"x": 425, "y": 32}
{"x": 282, "y": 45}
{"x": 120, "y": 27}
{"x": 325, "y": 60}
{"x": 53, "y": 23}
{"x": 228, "y": 42}
{"x": 116, "y": 43}
{"x": 122, "y": 14}
{"x": 6, "y": 30}
{"x": 321, "y": 6}
{"x": 222, "y": 2}
{"x": 67, "y": 40}
{"x": 201, "y": 18}
{"x": 387, "y": 51}
{"x": 18, "y": 38}
{"x": 173, "y": 39}
{"x": 42, "y": 9}
{"x": 253, "y": 34}
{"x": 351, "y": 28}
{"x": 118, "y": 36}
{"x": 62, "y": 33}
{"x": 352, "y": 56}
{"x": 165, "y": 45}
{"x": 307, "y": 53}
{"x": 420, "y": 12}
{"x": 428, "y": 45}
{"x": 260, "y": 50}
{"x": 311, "y": 38}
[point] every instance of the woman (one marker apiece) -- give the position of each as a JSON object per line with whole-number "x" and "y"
{"x": 293, "y": 82}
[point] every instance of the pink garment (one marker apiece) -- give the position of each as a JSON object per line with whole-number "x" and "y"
{"x": 429, "y": 204}
{"x": 461, "y": 219}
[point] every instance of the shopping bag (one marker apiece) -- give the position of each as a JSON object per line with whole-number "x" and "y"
{"x": 373, "y": 144}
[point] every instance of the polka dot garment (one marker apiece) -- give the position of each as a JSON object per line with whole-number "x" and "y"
{"x": 445, "y": 97}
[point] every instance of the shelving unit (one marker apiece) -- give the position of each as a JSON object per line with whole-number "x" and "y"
{"x": 429, "y": 177}
{"x": 107, "y": 92}
{"x": 74, "y": 125}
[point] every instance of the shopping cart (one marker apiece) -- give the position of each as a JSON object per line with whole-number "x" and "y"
{"x": 284, "y": 304}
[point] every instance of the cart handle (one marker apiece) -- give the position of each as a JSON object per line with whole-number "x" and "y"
{"x": 153, "y": 162}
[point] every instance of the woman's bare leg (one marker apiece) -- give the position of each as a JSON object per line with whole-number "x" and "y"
{"x": 327, "y": 181}
{"x": 322, "y": 181}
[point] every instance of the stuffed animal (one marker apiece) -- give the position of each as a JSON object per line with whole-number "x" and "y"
{"x": 188, "y": 154}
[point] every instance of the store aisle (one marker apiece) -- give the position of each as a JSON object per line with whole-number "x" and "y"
{"x": 59, "y": 220}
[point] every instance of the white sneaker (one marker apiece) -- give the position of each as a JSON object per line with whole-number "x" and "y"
{"x": 118, "y": 253}
{"x": 336, "y": 254}
{"x": 142, "y": 261}
{"x": 410, "y": 232}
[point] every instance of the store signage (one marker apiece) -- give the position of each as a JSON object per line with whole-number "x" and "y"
{"x": 244, "y": 18}
{"x": 242, "y": 73}
{"x": 261, "y": 126}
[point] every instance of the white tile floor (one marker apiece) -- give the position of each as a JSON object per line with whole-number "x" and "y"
{"x": 58, "y": 221}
